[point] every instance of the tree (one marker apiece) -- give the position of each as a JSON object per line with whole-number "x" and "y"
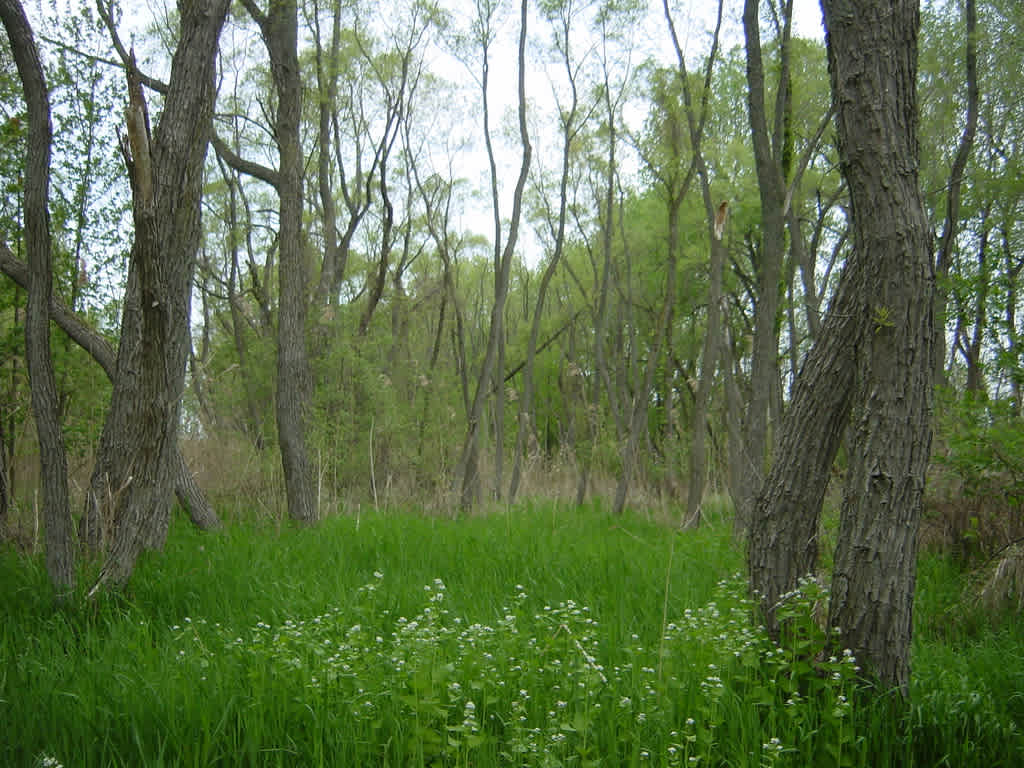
{"x": 716, "y": 218}
{"x": 771, "y": 159}
{"x": 469, "y": 463}
{"x": 60, "y": 561}
{"x": 943, "y": 254}
{"x": 165, "y": 166}
{"x": 871, "y": 365}
{"x": 561, "y": 16}
{"x": 279, "y": 29}
{"x": 188, "y": 492}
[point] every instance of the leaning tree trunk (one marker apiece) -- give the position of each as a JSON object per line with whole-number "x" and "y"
{"x": 872, "y": 360}
{"x": 782, "y": 543}
{"x": 60, "y": 562}
{"x": 167, "y": 177}
{"x": 872, "y": 49}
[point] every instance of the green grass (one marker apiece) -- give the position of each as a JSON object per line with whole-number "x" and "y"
{"x": 540, "y": 637}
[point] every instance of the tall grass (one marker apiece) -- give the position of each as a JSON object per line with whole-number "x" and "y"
{"x": 543, "y": 636}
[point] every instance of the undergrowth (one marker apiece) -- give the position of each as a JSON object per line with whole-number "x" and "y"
{"x": 543, "y": 637}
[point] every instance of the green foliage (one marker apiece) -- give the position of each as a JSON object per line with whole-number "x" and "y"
{"x": 985, "y": 449}
{"x": 539, "y": 637}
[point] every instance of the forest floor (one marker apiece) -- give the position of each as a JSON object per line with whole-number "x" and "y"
{"x": 542, "y": 636}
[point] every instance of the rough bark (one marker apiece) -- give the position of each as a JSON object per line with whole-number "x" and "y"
{"x": 783, "y": 537}
{"x": 871, "y": 365}
{"x": 167, "y": 175}
{"x": 60, "y": 561}
{"x": 873, "y": 65}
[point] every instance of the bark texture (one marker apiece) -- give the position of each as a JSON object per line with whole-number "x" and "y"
{"x": 871, "y": 366}
{"x": 60, "y": 562}
{"x": 139, "y": 440}
{"x": 872, "y": 50}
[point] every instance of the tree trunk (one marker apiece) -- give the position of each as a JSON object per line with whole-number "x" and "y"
{"x": 5, "y": 487}
{"x": 60, "y": 561}
{"x": 470, "y": 460}
{"x": 975, "y": 369}
{"x": 716, "y": 218}
{"x": 167, "y": 178}
{"x": 327, "y": 84}
{"x": 783, "y": 539}
{"x": 768, "y": 265}
{"x": 1012, "y": 265}
{"x": 951, "y": 224}
{"x": 569, "y": 131}
{"x": 872, "y": 49}
{"x": 279, "y": 29}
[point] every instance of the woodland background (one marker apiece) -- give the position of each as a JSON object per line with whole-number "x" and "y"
{"x": 575, "y": 294}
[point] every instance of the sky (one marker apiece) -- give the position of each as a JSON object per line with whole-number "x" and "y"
{"x": 693, "y": 19}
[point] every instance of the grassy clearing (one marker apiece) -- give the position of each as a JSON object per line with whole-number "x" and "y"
{"x": 542, "y": 637}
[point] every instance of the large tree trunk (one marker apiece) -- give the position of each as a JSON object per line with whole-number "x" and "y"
{"x": 872, "y": 50}
{"x": 873, "y": 360}
{"x": 60, "y": 561}
{"x": 783, "y": 537}
{"x": 167, "y": 178}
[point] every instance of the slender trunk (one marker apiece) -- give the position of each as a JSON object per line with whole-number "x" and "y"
{"x": 384, "y": 259}
{"x": 951, "y": 223}
{"x": 716, "y": 220}
{"x": 5, "y": 487}
{"x": 771, "y": 186}
{"x": 327, "y": 83}
{"x": 279, "y": 29}
{"x": 639, "y": 406}
{"x": 60, "y": 560}
{"x": 975, "y": 371}
{"x": 253, "y": 409}
{"x": 1012, "y": 266}
{"x": 469, "y": 463}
